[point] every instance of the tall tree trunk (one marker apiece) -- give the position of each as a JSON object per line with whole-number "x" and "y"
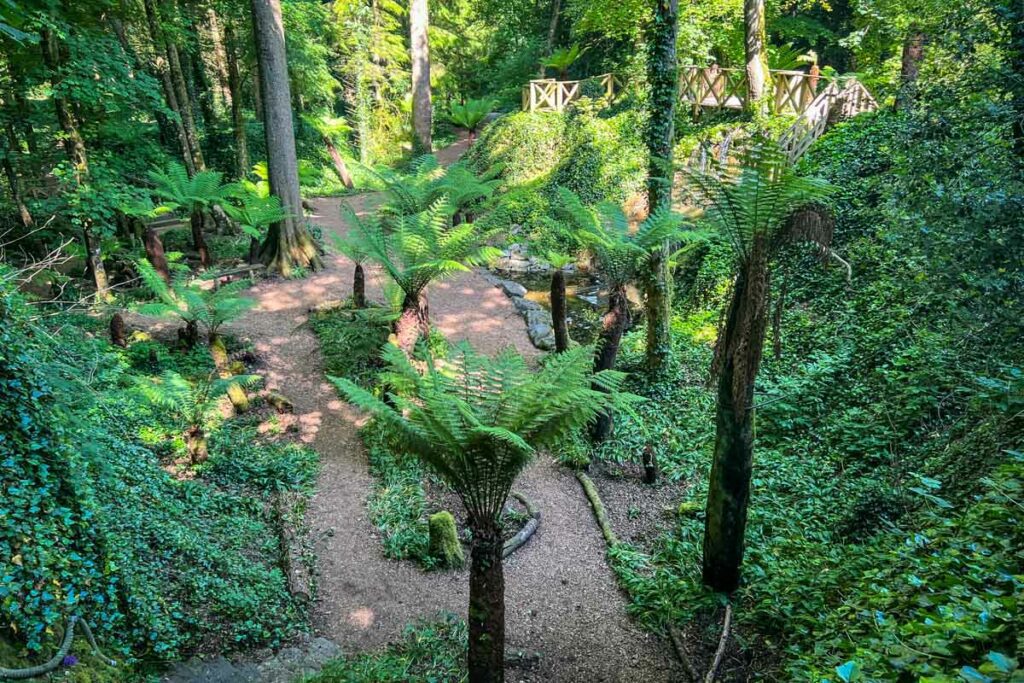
{"x": 13, "y": 180}
{"x": 198, "y": 241}
{"x": 359, "y": 287}
{"x": 549, "y": 46}
{"x": 558, "y": 310}
{"x": 419, "y": 50}
{"x": 486, "y": 660}
{"x": 156, "y": 34}
{"x": 21, "y": 105}
{"x": 729, "y": 485}
{"x": 164, "y": 124}
{"x": 237, "y": 114}
{"x": 755, "y": 43}
{"x": 74, "y": 145}
{"x": 663, "y": 75}
{"x": 413, "y": 322}
{"x": 203, "y": 92}
{"x": 339, "y": 164}
{"x": 181, "y": 93}
{"x": 910, "y": 66}
{"x": 288, "y": 244}
{"x": 613, "y": 325}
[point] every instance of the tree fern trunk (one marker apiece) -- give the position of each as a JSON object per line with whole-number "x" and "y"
{"x": 359, "y": 287}
{"x": 413, "y": 322}
{"x": 198, "y": 241}
{"x": 729, "y": 485}
{"x": 486, "y": 660}
{"x": 155, "y": 254}
{"x": 558, "y": 309}
{"x": 612, "y": 327}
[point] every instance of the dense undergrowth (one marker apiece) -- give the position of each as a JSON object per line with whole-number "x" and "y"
{"x": 100, "y": 522}
{"x": 885, "y": 533}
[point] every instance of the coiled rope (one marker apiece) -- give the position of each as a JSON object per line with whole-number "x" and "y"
{"x": 55, "y": 661}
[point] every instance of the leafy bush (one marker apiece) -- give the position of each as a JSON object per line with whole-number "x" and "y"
{"x": 430, "y": 652}
{"x": 158, "y": 565}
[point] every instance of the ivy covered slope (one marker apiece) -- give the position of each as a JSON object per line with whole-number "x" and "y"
{"x": 97, "y": 523}
{"x": 887, "y": 518}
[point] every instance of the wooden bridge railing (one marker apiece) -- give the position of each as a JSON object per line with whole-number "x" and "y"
{"x": 715, "y": 87}
{"x": 548, "y": 94}
{"x": 834, "y": 103}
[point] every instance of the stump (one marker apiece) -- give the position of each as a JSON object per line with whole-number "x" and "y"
{"x": 444, "y": 541}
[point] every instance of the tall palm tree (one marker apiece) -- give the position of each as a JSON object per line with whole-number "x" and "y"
{"x": 416, "y": 250}
{"x": 623, "y": 254}
{"x": 196, "y": 196}
{"x": 476, "y": 422}
{"x": 757, "y": 208}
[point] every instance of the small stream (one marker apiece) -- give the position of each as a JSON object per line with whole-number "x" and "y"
{"x": 586, "y": 300}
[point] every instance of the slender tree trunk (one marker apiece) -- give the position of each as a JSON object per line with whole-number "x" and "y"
{"x": 729, "y": 485}
{"x": 486, "y": 660}
{"x": 663, "y": 75}
{"x": 94, "y": 260}
{"x": 613, "y": 325}
{"x": 163, "y": 123}
{"x": 558, "y": 310}
{"x": 413, "y": 322}
{"x": 422, "y": 115}
{"x": 755, "y": 44}
{"x": 549, "y": 46}
{"x": 181, "y": 93}
{"x": 155, "y": 254}
{"x": 288, "y": 244}
{"x": 237, "y": 114}
{"x": 21, "y": 105}
{"x": 13, "y": 180}
{"x": 198, "y": 241}
{"x": 74, "y": 145}
{"x": 156, "y": 34}
{"x": 359, "y": 287}
{"x": 910, "y": 66}
{"x": 339, "y": 164}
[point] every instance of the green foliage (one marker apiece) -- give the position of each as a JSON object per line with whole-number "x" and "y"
{"x": 562, "y": 59}
{"x": 156, "y": 564}
{"x": 351, "y": 339}
{"x": 430, "y": 652}
{"x": 201, "y": 191}
{"x": 469, "y": 114}
{"x": 188, "y": 402}
{"x": 476, "y": 421}
{"x": 239, "y": 460}
{"x": 255, "y": 213}
{"x": 211, "y": 308}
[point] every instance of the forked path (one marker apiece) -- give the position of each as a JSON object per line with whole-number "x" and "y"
{"x": 565, "y": 611}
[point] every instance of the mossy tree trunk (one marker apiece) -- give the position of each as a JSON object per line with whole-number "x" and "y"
{"x": 613, "y": 325}
{"x": 738, "y": 359}
{"x": 235, "y": 90}
{"x": 910, "y": 67}
{"x": 339, "y": 164}
{"x": 755, "y": 43}
{"x": 663, "y": 75}
{"x": 219, "y": 354}
{"x": 13, "y": 179}
{"x": 163, "y": 70}
{"x": 419, "y": 52}
{"x": 486, "y": 660}
{"x": 288, "y": 244}
{"x": 413, "y": 322}
{"x": 558, "y": 310}
{"x": 359, "y": 287}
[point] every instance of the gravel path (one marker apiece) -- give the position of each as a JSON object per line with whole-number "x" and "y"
{"x": 565, "y": 611}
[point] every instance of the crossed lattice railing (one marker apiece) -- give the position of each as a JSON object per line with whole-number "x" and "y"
{"x": 548, "y": 94}
{"x": 835, "y": 103}
{"x": 715, "y": 87}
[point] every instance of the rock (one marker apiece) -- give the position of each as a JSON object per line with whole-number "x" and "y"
{"x": 444, "y": 540}
{"x": 541, "y": 336}
{"x": 513, "y": 288}
{"x": 538, "y": 316}
{"x": 523, "y": 305}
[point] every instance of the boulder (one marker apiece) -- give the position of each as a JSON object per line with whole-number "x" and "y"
{"x": 523, "y": 305}
{"x": 512, "y": 288}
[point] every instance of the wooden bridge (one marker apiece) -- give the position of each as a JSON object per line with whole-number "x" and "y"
{"x": 548, "y": 94}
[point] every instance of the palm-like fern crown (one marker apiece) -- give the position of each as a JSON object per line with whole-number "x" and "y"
{"x": 254, "y": 211}
{"x": 423, "y": 247}
{"x": 188, "y": 401}
{"x": 477, "y": 421}
{"x": 410, "y": 193}
{"x": 470, "y": 114}
{"x": 203, "y": 189}
{"x": 187, "y": 301}
{"x": 752, "y": 202}
{"x": 463, "y": 187}
{"x": 622, "y": 252}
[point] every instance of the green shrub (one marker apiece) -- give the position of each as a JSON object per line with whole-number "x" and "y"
{"x": 430, "y": 652}
{"x": 526, "y": 145}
